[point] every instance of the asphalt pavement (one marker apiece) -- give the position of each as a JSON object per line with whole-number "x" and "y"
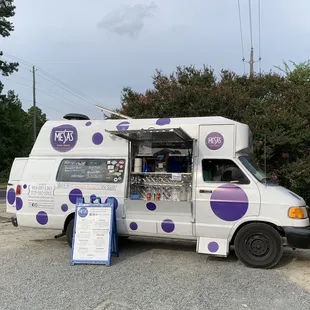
{"x": 36, "y": 274}
{"x": 147, "y": 275}
{"x": 2, "y": 194}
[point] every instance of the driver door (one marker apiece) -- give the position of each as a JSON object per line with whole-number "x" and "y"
{"x": 224, "y": 195}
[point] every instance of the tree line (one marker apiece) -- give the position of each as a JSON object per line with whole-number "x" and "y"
{"x": 16, "y": 125}
{"x": 275, "y": 106}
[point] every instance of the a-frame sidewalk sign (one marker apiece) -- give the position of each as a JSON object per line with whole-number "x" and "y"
{"x": 95, "y": 232}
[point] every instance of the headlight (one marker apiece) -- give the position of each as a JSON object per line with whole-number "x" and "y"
{"x": 297, "y": 213}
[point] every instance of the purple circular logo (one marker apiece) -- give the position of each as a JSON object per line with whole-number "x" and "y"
{"x": 63, "y": 138}
{"x": 214, "y": 141}
{"x": 83, "y": 212}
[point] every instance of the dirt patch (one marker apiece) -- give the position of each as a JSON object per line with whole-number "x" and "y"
{"x": 298, "y": 270}
{"x": 4, "y": 220}
{"x": 17, "y": 237}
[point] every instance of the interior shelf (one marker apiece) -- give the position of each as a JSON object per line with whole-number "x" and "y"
{"x": 157, "y": 173}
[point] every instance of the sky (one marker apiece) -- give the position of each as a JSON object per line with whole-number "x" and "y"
{"x": 99, "y": 47}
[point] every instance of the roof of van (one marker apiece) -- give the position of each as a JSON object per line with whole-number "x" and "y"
{"x": 84, "y": 135}
{"x": 204, "y": 120}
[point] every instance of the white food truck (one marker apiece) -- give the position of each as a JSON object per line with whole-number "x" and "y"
{"x": 182, "y": 178}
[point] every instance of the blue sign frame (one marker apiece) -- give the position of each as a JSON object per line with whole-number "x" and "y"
{"x": 113, "y": 238}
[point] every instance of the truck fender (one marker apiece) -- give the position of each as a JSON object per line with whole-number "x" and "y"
{"x": 251, "y": 219}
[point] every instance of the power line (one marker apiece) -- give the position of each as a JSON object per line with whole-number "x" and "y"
{"x": 25, "y": 68}
{"x": 259, "y": 36}
{"x": 47, "y": 107}
{"x": 51, "y": 77}
{"x": 41, "y": 104}
{"x": 41, "y": 91}
{"x": 67, "y": 88}
{"x": 23, "y": 78}
{"x": 73, "y": 91}
{"x": 241, "y": 36}
{"x": 18, "y": 59}
{"x": 80, "y": 94}
{"x": 74, "y": 102}
{"x": 250, "y": 17}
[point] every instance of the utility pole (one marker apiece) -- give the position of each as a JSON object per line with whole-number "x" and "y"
{"x": 251, "y": 62}
{"x": 34, "y": 104}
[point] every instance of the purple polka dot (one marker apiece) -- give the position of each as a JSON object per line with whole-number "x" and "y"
{"x": 97, "y": 138}
{"x": 163, "y": 121}
{"x": 25, "y": 186}
{"x": 88, "y": 124}
{"x": 64, "y": 207}
{"x": 19, "y": 203}
{"x": 167, "y": 226}
{"x": 123, "y": 126}
{"x": 11, "y": 196}
{"x": 42, "y": 218}
{"x": 133, "y": 226}
{"x": 151, "y": 206}
{"x": 74, "y": 194}
{"x": 229, "y": 202}
{"x": 213, "y": 247}
{"x": 116, "y": 201}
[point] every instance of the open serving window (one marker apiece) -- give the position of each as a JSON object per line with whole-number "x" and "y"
{"x": 170, "y": 137}
{"x": 160, "y": 163}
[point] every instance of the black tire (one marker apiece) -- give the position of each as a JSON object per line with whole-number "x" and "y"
{"x": 258, "y": 245}
{"x": 69, "y": 232}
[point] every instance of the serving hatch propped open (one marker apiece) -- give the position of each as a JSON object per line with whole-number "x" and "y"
{"x": 168, "y": 137}
{"x": 160, "y": 165}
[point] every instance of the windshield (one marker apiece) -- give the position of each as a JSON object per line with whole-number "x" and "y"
{"x": 255, "y": 170}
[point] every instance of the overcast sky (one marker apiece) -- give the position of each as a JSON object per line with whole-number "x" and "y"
{"x": 100, "y": 46}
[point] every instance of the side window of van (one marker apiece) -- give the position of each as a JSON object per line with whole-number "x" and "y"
{"x": 222, "y": 170}
{"x": 91, "y": 171}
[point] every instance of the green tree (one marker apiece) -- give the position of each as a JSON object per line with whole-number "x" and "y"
{"x": 300, "y": 74}
{"x": 275, "y": 107}
{"x": 16, "y": 125}
{"x": 13, "y": 137}
{"x": 7, "y": 10}
{"x": 40, "y": 120}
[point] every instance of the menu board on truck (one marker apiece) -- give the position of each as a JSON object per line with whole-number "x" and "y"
{"x": 93, "y": 234}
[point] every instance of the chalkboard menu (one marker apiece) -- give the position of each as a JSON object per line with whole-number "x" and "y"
{"x": 92, "y": 170}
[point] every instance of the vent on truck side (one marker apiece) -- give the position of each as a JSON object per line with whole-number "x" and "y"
{"x": 76, "y": 116}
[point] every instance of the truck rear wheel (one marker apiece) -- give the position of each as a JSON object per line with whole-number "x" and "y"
{"x": 69, "y": 232}
{"x": 258, "y": 245}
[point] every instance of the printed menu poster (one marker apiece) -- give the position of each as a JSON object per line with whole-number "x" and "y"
{"x": 92, "y": 235}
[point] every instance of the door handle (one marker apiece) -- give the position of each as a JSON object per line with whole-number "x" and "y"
{"x": 205, "y": 191}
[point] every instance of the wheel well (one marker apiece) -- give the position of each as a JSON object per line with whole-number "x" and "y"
{"x": 277, "y": 228}
{"x": 67, "y": 221}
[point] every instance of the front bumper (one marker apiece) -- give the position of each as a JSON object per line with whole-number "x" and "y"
{"x": 298, "y": 237}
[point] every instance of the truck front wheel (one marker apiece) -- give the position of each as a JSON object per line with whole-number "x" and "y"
{"x": 258, "y": 245}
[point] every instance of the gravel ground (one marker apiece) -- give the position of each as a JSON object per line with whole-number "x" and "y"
{"x": 36, "y": 274}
